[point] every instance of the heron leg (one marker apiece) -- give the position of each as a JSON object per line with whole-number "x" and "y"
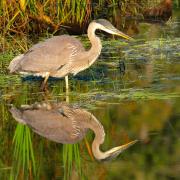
{"x": 43, "y": 85}
{"x": 67, "y": 89}
{"x": 66, "y": 81}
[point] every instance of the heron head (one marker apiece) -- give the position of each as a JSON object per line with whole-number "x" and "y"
{"x": 114, "y": 152}
{"x": 106, "y": 26}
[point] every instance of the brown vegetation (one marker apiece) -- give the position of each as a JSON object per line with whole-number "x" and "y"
{"x": 161, "y": 12}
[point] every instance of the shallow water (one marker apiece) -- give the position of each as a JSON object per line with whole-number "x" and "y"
{"x": 133, "y": 90}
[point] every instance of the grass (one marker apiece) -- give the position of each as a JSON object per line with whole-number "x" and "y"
{"x": 24, "y": 160}
{"x": 54, "y": 13}
{"x": 71, "y": 159}
{"x": 29, "y": 18}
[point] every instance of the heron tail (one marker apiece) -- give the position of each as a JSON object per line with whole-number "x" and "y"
{"x": 17, "y": 115}
{"x": 14, "y": 64}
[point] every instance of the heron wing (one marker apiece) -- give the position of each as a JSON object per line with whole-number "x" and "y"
{"x": 51, "y": 55}
{"x": 49, "y": 124}
{"x": 58, "y": 122}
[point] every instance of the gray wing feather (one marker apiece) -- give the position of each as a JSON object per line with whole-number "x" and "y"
{"x": 50, "y": 55}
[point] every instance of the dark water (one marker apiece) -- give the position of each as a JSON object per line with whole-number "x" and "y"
{"x": 133, "y": 90}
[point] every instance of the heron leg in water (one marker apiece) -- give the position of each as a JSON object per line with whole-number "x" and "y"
{"x": 66, "y": 81}
{"x": 43, "y": 86}
{"x": 67, "y": 89}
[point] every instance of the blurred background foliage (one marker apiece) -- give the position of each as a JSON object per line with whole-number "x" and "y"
{"x": 26, "y": 17}
{"x": 25, "y": 21}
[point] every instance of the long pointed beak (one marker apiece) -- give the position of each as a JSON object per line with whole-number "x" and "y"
{"x": 114, "y": 152}
{"x": 119, "y": 33}
{"x": 123, "y": 147}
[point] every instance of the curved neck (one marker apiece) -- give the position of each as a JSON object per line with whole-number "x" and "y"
{"x": 98, "y": 129}
{"x": 90, "y": 122}
{"x": 96, "y": 46}
{"x": 98, "y": 154}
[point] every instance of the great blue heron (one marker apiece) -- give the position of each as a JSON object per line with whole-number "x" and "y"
{"x": 62, "y": 55}
{"x": 63, "y": 123}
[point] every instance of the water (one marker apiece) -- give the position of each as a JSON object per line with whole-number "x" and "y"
{"x": 133, "y": 90}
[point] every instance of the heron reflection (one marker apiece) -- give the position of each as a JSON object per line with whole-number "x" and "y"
{"x": 67, "y": 124}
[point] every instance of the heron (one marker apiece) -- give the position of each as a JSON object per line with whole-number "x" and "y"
{"x": 60, "y": 56}
{"x": 66, "y": 124}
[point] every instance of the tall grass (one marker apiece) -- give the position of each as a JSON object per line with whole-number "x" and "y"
{"x": 24, "y": 162}
{"x": 24, "y": 16}
{"x": 29, "y": 15}
{"x": 29, "y": 19}
{"x": 71, "y": 158}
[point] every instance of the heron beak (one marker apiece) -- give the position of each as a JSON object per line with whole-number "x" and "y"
{"x": 114, "y": 152}
{"x": 114, "y": 31}
{"x": 119, "y": 33}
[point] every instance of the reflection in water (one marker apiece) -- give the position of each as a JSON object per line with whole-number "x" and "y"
{"x": 65, "y": 124}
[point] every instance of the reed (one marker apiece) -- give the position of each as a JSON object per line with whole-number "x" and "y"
{"x": 71, "y": 156}
{"x": 24, "y": 161}
{"x": 24, "y": 17}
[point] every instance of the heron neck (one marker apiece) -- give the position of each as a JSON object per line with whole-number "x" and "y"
{"x": 98, "y": 129}
{"x": 98, "y": 154}
{"x": 96, "y": 46}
